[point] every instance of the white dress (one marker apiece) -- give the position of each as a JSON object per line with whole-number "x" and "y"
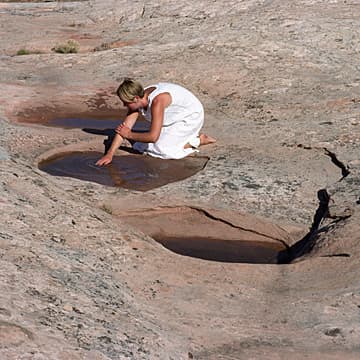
{"x": 183, "y": 119}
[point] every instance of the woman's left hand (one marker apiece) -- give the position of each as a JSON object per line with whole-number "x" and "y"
{"x": 124, "y": 131}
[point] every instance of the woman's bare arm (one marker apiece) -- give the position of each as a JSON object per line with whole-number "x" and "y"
{"x": 118, "y": 139}
{"x": 159, "y": 104}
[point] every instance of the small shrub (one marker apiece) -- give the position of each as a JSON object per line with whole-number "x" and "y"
{"x": 107, "y": 209}
{"x": 27, "y": 52}
{"x": 71, "y": 47}
{"x": 23, "y": 52}
{"x": 102, "y": 47}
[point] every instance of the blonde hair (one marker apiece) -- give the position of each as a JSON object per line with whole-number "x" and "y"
{"x": 128, "y": 89}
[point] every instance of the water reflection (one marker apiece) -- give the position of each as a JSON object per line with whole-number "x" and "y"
{"x": 137, "y": 172}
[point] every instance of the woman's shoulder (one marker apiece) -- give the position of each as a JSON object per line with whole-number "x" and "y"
{"x": 176, "y": 92}
{"x": 164, "y": 85}
{"x": 163, "y": 99}
{"x": 171, "y": 87}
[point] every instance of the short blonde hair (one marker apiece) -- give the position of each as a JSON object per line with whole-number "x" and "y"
{"x": 128, "y": 89}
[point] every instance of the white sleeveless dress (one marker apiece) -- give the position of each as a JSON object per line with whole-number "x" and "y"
{"x": 183, "y": 119}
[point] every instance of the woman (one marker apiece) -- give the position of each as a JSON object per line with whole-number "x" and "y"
{"x": 176, "y": 117}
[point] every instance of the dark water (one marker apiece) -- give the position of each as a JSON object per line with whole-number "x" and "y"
{"x": 137, "y": 172}
{"x": 100, "y": 117}
{"x": 89, "y": 123}
{"x": 75, "y": 122}
{"x": 233, "y": 251}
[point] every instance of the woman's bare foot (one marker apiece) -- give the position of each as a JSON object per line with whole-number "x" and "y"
{"x": 206, "y": 139}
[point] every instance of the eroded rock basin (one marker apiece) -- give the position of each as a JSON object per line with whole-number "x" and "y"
{"x": 210, "y": 234}
{"x": 130, "y": 171}
{"x": 232, "y": 251}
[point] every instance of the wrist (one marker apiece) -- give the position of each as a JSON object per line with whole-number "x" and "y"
{"x": 130, "y": 136}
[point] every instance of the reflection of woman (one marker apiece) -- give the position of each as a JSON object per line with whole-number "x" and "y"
{"x": 176, "y": 117}
{"x": 115, "y": 176}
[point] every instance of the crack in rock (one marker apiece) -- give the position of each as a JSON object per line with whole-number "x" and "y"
{"x": 213, "y": 217}
{"x": 337, "y": 255}
{"x": 344, "y": 169}
{"x": 307, "y": 243}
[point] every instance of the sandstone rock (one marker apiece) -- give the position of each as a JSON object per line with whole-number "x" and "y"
{"x": 279, "y": 83}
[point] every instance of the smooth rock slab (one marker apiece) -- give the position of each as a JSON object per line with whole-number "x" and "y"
{"x": 12, "y": 334}
{"x": 4, "y": 154}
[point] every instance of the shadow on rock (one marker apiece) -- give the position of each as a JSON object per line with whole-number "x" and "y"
{"x": 307, "y": 243}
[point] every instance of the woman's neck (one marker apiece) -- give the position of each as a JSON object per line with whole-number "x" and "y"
{"x": 148, "y": 91}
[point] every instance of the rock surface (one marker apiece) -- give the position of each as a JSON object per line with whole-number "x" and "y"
{"x": 280, "y": 85}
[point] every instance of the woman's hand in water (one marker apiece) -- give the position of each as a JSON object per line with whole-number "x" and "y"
{"x": 123, "y": 130}
{"x": 105, "y": 160}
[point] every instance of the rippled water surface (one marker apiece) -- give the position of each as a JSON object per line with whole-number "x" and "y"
{"x": 137, "y": 172}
